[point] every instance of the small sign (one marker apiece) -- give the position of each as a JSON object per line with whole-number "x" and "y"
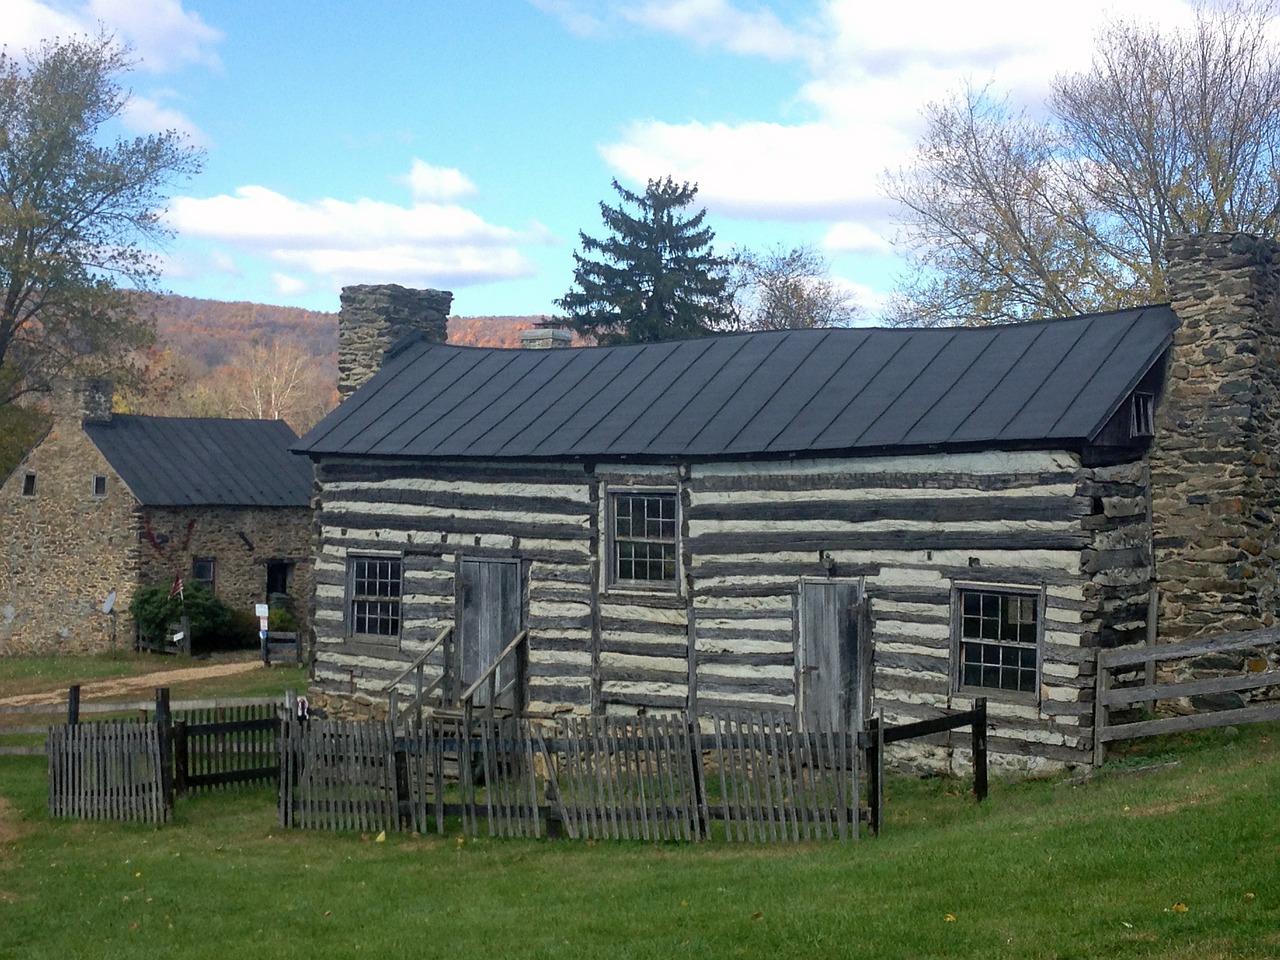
{"x": 261, "y": 611}
{"x": 177, "y": 637}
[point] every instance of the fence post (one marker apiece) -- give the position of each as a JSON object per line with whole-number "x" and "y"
{"x": 164, "y": 734}
{"x": 875, "y": 772}
{"x": 979, "y": 730}
{"x": 699, "y": 776}
{"x": 73, "y": 705}
{"x": 1101, "y": 684}
{"x": 181, "y": 755}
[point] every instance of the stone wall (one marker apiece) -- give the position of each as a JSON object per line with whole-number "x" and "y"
{"x": 65, "y": 549}
{"x": 373, "y": 317}
{"x": 1214, "y": 462}
{"x": 241, "y": 541}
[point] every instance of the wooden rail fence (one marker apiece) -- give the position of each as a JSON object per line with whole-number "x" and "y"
{"x": 1258, "y": 674}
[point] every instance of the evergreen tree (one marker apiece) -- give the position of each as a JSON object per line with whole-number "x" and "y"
{"x": 657, "y": 277}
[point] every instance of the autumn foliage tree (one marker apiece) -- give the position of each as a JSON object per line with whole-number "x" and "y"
{"x": 787, "y": 289}
{"x": 79, "y": 213}
{"x": 1011, "y": 217}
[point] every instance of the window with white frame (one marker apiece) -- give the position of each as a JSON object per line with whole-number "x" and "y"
{"x": 997, "y": 638}
{"x": 642, "y": 540}
{"x": 373, "y": 596}
{"x": 99, "y": 486}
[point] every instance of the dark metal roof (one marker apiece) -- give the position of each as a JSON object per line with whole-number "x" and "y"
{"x": 189, "y": 461}
{"x": 793, "y": 391}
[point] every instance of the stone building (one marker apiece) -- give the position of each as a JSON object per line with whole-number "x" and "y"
{"x": 106, "y": 503}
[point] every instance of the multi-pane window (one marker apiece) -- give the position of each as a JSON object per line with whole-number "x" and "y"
{"x": 644, "y": 538}
{"x": 998, "y": 642}
{"x": 374, "y": 595}
{"x": 204, "y": 570}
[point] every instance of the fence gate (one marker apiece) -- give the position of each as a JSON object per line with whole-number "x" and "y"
{"x": 108, "y": 771}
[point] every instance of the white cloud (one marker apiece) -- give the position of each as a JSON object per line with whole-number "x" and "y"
{"x": 359, "y": 241}
{"x": 718, "y": 23}
{"x": 871, "y": 71}
{"x": 850, "y": 237}
{"x": 144, "y": 115}
{"x": 427, "y": 183}
{"x": 162, "y": 33}
{"x": 288, "y": 286}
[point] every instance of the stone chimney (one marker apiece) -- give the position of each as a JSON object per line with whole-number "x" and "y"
{"x": 373, "y": 317}
{"x": 83, "y": 399}
{"x": 543, "y": 338}
{"x": 1215, "y": 463}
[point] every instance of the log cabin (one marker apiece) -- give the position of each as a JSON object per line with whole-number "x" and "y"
{"x": 838, "y": 522}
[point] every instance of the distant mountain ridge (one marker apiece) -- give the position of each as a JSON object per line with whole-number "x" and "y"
{"x": 210, "y": 332}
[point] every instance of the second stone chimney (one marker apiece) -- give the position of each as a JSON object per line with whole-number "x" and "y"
{"x": 1215, "y": 464}
{"x": 544, "y": 338}
{"x": 83, "y": 399}
{"x": 373, "y": 317}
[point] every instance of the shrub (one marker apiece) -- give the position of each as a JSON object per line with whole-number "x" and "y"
{"x": 214, "y": 625}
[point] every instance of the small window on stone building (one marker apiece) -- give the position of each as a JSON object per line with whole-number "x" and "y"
{"x": 279, "y": 573}
{"x": 1142, "y": 422}
{"x": 29, "y": 485}
{"x": 99, "y": 485}
{"x": 204, "y": 569}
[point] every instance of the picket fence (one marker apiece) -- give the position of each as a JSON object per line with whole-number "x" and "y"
{"x": 732, "y": 776}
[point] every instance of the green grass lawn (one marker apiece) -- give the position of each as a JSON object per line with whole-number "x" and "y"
{"x": 1044, "y": 869}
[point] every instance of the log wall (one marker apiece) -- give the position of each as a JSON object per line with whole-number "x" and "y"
{"x": 906, "y": 527}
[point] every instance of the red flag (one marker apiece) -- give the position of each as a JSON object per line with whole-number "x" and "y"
{"x": 176, "y": 589}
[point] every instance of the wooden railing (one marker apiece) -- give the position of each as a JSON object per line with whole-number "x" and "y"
{"x": 488, "y": 680}
{"x": 1257, "y": 675}
{"x": 421, "y": 689}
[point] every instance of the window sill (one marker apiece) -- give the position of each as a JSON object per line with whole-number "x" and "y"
{"x": 1025, "y": 698}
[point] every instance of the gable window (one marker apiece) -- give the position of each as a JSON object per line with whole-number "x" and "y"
{"x": 997, "y": 638}
{"x": 99, "y": 485}
{"x": 373, "y": 592}
{"x": 204, "y": 570}
{"x": 643, "y": 538}
{"x": 1142, "y": 422}
{"x": 29, "y": 485}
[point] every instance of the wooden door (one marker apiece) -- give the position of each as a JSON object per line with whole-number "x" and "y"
{"x": 490, "y": 614}
{"x": 828, "y": 661}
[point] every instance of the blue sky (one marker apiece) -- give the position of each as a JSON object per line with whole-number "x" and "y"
{"x": 463, "y": 145}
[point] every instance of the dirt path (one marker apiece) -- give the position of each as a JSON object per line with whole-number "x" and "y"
{"x": 97, "y": 689}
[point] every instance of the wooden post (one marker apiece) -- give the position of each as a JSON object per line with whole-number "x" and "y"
{"x": 164, "y": 734}
{"x": 1101, "y": 685}
{"x": 73, "y": 705}
{"x": 875, "y": 772}
{"x": 979, "y": 731}
{"x": 181, "y": 758}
